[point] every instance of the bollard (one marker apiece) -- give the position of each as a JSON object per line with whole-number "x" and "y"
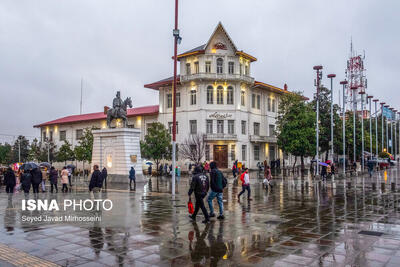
{"x": 374, "y": 186}
{"x": 383, "y": 187}
{"x": 393, "y": 187}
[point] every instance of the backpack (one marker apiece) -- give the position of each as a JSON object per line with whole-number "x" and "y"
{"x": 224, "y": 180}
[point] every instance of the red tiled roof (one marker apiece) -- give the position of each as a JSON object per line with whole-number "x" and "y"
{"x": 164, "y": 82}
{"x": 147, "y": 110}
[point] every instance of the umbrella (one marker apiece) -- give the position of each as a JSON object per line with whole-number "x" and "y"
{"x": 45, "y": 164}
{"x": 328, "y": 161}
{"x": 72, "y": 166}
{"x": 323, "y": 164}
{"x": 149, "y": 163}
{"x": 29, "y": 166}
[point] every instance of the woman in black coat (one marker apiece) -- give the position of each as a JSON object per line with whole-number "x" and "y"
{"x": 9, "y": 180}
{"x": 53, "y": 179}
{"x": 36, "y": 180}
{"x": 26, "y": 181}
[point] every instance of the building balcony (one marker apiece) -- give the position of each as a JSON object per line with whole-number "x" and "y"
{"x": 217, "y": 77}
{"x": 263, "y": 139}
{"x": 220, "y": 136}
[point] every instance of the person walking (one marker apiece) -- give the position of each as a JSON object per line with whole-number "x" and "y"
{"x": 36, "y": 180}
{"x": 206, "y": 167}
{"x": 104, "y": 174}
{"x": 64, "y": 180}
{"x": 218, "y": 183}
{"x": 44, "y": 178}
{"x": 96, "y": 180}
{"x": 234, "y": 169}
{"x": 150, "y": 170}
{"x": 69, "y": 169}
{"x": 26, "y": 181}
{"x": 199, "y": 185}
{"x": 53, "y": 179}
{"x": 245, "y": 178}
{"x": 370, "y": 167}
{"x": 323, "y": 173}
{"x": 267, "y": 177}
{"x": 10, "y": 180}
{"x": 132, "y": 178}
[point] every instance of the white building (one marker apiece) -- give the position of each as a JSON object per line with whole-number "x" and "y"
{"x": 216, "y": 96}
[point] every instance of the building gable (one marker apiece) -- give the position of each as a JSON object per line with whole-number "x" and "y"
{"x": 220, "y": 42}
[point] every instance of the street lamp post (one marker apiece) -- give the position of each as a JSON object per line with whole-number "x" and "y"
{"x": 387, "y": 131}
{"x": 395, "y": 133}
{"x": 362, "y": 130}
{"x": 370, "y": 124}
{"x": 319, "y": 76}
{"x": 354, "y": 88}
{"x": 382, "y": 132}
{"x": 331, "y": 76}
{"x": 391, "y": 132}
{"x": 376, "y": 128}
{"x": 177, "y": 40}
{"x": 344, "y": 126}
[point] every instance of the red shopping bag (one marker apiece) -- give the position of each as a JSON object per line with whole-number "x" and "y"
{"x": 190, "y": 206}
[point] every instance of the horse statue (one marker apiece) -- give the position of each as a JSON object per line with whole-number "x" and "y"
{"x": 119, "y": 110}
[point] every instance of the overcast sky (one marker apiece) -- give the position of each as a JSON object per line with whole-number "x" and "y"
{"x": 46, "y": 47}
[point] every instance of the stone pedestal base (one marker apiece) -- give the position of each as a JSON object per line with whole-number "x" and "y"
{"x": 118, "y": 150}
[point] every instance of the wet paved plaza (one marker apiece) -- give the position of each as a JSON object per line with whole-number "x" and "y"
{"x": 299, "y": 223}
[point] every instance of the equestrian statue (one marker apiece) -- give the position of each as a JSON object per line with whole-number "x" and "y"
{"x": 118, "y": 111}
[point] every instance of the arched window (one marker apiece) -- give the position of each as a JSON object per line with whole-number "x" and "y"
{"x": 210, "y": 95}
{"x": 220, "y": 95}
{"x": 229, "y": 96}
{"x": 220, "y": 63}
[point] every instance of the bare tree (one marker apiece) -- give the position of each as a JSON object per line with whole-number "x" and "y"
{"x": 193, "y": 148}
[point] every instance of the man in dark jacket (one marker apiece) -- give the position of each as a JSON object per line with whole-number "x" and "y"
{"x": 96, "y": 181}
{"x": 104, "y": 174}
{"x": 132, "y": 178}
{"x": 36, "y": 180}
{"x": 26, "y": 180}
{"x": 200, "y": 185}
{"x": 53, "y": 179}
{"x": 217, "y": 182}
{"x": 9, "y": 180}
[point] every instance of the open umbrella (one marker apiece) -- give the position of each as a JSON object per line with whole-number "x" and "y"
{"x": 323, "y": 164}
{"x": 45, "y": 164}
{"x": 72, "y": 166}
{"x": 29, "y": 166}
{"x": 149, "y": 163}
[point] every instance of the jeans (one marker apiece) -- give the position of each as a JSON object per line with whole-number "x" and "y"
{"x": 55, "y": 186}
{"x": 64, "y": 188}
{"x": 130, "y": 183}
{"x": 244, "y": 188}
{"x": 211, "y": 196}
{"x": 35, "y": 188}
{"x": 43, "y": 186}
{"x": 10, "y": 188}
{"x": 200, "y": 205}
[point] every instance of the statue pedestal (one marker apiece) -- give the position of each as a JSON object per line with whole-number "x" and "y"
{"x": 118, "y": 149}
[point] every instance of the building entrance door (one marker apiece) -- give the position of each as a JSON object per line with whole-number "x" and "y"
{"x": 221, "y": 155}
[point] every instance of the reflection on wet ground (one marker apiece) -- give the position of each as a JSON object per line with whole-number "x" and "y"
{"x": 299, "y": 222}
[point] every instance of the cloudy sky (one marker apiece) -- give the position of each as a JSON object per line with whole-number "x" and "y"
{"x": 46, "y": 47}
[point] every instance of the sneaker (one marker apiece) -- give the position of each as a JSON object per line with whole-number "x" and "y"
{"x": 212, "y": 215}
{"x": 206, "y": 221}
{"x": 192, "y": 218}
{"x": 221, "y": 217}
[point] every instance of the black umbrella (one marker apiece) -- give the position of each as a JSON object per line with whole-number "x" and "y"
{"x": 72, "y": 166}
{"x": 29, "y": 166}
{"x": 45, "y": 164}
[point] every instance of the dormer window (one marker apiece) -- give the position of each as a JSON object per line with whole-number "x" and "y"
{"x": 220, "y": 63}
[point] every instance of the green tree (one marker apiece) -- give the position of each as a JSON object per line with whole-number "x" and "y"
{"x": 83, "y": 151}
{"x": 157, "y": 143}
{"x": 5, "y": 153}
{"x": 296, "y": 127}
{"x": 65, "y": 153}
{"x": 20, "y": 149}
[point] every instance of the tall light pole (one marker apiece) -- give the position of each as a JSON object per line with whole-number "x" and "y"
{"x": 376, "y": 128}
{"x": 331, "y": 76}
{"x": 391, "y": 131}
{"x": 387, "y": 131}
{"x": 369, "y": 99}
{"x": 362, "y": 93}
{"x": 354, "y": 88}
{"x": 395, "y": 132}
{"x": 319, "y": 76}
{"x": 177, "y": 39}
{"x": 383, "y": 132}
{"x": 344, "y": 126}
